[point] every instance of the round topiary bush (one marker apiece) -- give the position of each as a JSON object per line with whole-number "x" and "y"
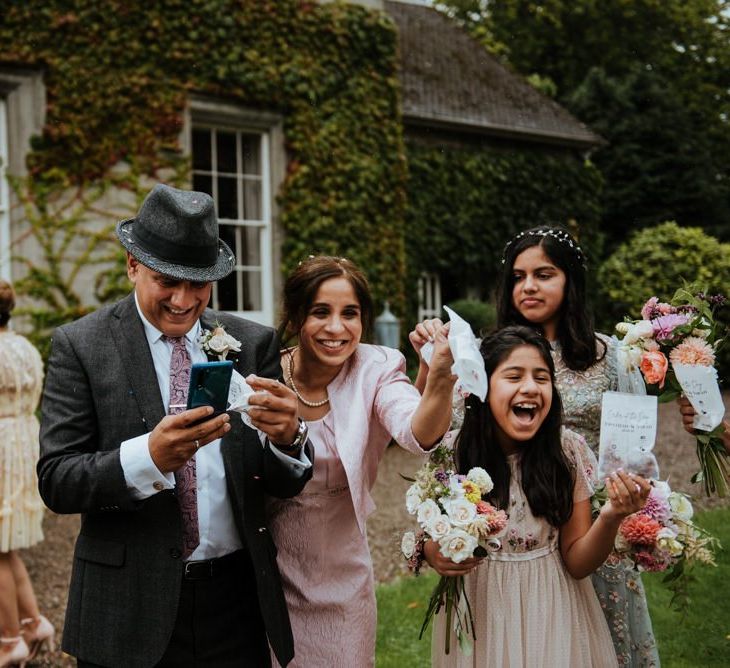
{"x": 482, "y": 316}
{"x": 655, "y": 262}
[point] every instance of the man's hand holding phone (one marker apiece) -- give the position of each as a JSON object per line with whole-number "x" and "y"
{"x": 176, "y": 438}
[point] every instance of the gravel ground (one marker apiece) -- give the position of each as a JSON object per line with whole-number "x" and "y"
{"x": 49, "y": 563}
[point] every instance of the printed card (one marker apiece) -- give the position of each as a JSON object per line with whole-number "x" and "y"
{"x": 699, "y": 384}
{"x": 628, "y": 432}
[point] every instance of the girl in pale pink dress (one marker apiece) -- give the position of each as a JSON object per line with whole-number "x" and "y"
{"x": 354, "y": 397}
{"x": 532, "y": 601}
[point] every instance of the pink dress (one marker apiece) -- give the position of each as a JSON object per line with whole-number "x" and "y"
{"x": 325, "y": 564}
{"x": 528, "y": 610}
{"x": 323, "y": 552}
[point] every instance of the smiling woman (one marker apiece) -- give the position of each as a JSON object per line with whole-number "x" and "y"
{"x": 355, "y": 398}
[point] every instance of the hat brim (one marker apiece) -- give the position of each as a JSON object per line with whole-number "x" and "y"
{"x": 222, "y": 267}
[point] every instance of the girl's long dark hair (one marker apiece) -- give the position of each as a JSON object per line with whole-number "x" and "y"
{"x": 579, "y": 346}
{"x": 547, "y": 477}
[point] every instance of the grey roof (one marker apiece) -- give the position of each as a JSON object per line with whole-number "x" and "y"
{"x": 450, "y": 80}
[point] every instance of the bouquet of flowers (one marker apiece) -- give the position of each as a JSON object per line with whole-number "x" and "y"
{"x": 674, "y": 347}
{"x": 451, "y": 511}
{"x": 662, "y": 537}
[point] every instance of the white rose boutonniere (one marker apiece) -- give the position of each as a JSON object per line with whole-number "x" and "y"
{"x": 218, "y": 342}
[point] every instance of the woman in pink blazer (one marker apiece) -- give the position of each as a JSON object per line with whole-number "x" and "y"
{"x": 354, "y": 398}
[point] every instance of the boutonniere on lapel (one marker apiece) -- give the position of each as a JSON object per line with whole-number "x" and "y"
{"x": 218, "y": 343}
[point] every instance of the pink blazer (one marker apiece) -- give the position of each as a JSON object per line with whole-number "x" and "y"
{"x": 371, "y": 400}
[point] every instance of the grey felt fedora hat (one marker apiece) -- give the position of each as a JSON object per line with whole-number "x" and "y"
{"x": 175, "y": 233}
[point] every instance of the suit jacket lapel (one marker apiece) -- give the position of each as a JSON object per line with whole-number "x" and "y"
{"x": 127, "y": 331}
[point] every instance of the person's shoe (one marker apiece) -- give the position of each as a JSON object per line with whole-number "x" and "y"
{"x": 17, "y": 655}
{"x": 37, "y": 632}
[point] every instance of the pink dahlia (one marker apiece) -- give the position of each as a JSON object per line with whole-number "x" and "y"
{"x": 693, "y": 351}
{"x": 657, "y": 507}
{"x": 640, "y": 529}
{"x": 654, "y": 309}
{"x": 665, "y": 325}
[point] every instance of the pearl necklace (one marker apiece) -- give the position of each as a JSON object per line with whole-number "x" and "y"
{"x": 290, "y": 382}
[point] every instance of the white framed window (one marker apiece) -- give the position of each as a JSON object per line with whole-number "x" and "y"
{"x": 231, "y": 163}
{"x": 5, "y": 259}
{"x": 429, "y": 296}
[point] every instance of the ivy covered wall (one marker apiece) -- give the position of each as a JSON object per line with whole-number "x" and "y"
{"x": 118, "y": 75}
{"x": 464, "y": 204}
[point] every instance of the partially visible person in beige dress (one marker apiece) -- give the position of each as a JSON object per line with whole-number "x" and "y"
{"x": 23, "y": 630}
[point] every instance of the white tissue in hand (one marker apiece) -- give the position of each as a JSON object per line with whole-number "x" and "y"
{"x": 468, "y": 364}
{"x": 238, "y": 396}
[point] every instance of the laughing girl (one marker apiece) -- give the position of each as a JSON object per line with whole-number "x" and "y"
{"x": 532, "y": 602}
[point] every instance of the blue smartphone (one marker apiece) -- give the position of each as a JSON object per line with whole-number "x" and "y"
{"x": 209, "y": 385}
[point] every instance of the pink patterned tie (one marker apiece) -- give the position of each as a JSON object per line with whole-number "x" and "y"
{"x": 185, "y": 478}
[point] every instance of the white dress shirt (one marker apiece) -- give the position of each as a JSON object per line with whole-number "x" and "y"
{"x": 218, "y": 534}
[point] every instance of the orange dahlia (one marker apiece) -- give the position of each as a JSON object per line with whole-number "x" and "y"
{"x": 640, "y": 529}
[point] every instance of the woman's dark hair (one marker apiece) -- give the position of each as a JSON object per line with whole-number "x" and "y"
{"x": 301, "y": 287}
{"x": 7, "y": 302}
{"x": 547, "y": 477}
{"x": 579, "y": 346}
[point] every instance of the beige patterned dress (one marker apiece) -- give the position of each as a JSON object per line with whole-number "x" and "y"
{"x": 619, "y": 589}
{"x": 21, "y": 380}
{"x": 528, "y": 610}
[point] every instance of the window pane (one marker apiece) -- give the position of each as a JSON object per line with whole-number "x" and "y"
{"x": 251, "y": 149}
{"x": 203, "y": 183}
{"x": 227, "y": 293}
{"x": 251, "y": 200}
{"x": 201, "y": 149}
{"x": 227, "y": 197}
{"x": 251, "y": 290}
{"x": 226, "y": 146}
{"x": 250, "y": 246}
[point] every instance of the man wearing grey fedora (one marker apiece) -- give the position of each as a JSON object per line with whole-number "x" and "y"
{"x": 173, "y": 565}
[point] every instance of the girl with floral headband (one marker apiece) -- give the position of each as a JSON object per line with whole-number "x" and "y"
{"x": 543, "y": 285}
{"x": 531, "y": 601}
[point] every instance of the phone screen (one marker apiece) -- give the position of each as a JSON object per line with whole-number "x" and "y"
{"x": 209, "y": 385}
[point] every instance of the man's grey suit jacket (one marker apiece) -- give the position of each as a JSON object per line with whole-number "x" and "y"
{"x": 100, "y": 390}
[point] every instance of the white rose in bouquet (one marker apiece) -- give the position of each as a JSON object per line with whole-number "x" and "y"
{"x": 481, "y": 478}
{"x": 427, "y": 511}
{"x": 681, "y": 506}
{"x": 408, "y": 544}
{"x": 438, "y": 527}
{"x": 461, "y": 512}
{"x": 458, "y": 545}
{"x": 414, "y": 497}
{"x": 666, "y": 540}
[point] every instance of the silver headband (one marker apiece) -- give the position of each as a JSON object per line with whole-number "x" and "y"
{"x": 559, "y": 235}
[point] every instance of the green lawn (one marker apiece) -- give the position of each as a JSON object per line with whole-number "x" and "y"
{"x": 702, "y": 639}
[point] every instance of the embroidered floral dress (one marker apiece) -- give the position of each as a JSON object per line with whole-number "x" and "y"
{"x": 21, "y": 380}
{"x": 619, "y": 589}
{"x": 528, "y": 610}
